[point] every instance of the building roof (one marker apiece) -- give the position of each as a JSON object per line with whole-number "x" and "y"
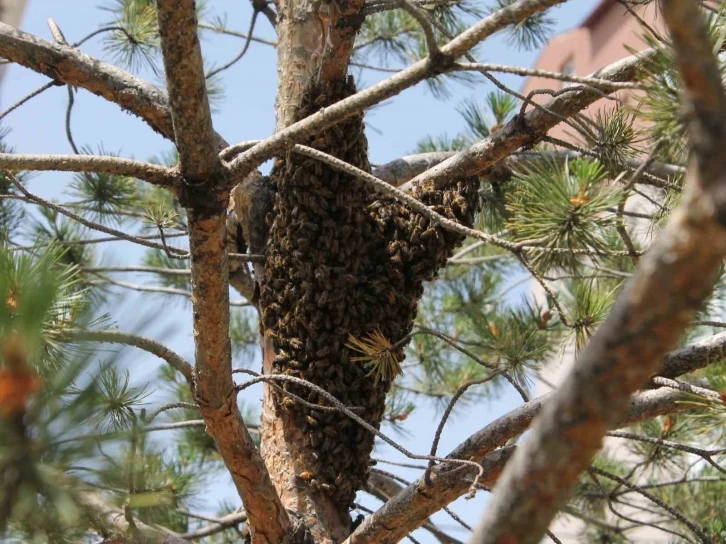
{"x": 598, "y": 12}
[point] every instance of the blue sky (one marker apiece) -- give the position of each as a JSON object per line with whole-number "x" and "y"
{"x": 246, "y": 113}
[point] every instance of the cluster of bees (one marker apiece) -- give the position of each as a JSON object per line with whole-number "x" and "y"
{"x": 342, "y": 260}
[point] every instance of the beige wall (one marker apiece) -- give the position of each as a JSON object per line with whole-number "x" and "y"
{"x": 608, "y": 38}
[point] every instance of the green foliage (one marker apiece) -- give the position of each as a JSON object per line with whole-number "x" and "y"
{"x": 441, "y": 143}
{"x": 613, "y": 136}
{"x": 481, "y": 120}
{"x": 588, "y": 304}
{"x": 11, "y": 213}
{"x": 38, "y": 297}
{"x": 151, "y": 482}
{"x": 70, "y": 422}
{"x": 52, "y": 227}
{"x": 531, "y": 33}
{"x": 562, "y": 206}
{"x": 103, "y": 197}
{"x": 117, "y": 400}
{"x": 516, "y": 339}
{"x": 135, "y": 45}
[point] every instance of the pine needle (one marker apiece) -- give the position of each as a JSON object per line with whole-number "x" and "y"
{"x": 378, "y": 355}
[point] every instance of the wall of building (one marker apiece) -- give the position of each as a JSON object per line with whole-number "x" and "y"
{"x": 608, "y": 35}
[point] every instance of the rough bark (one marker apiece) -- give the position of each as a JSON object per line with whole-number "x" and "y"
{"x": 654, "y": 308}
{"x": 214, "y": 389}
{"x": 184, "y": 69}
{"x": 68, "y": 65}
{"x": 205, "y": 196}
{"x": 315, "y": 42}
{"x": 340, "y": 261}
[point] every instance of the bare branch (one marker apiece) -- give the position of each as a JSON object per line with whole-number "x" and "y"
{"x": 531, "y": 72}
{"x": 409, "y": 509}
{"x": 153, "y": 173}
{"x": 385, "y": 487}
{"x": 68, "y": 65}
{"x": 217, "y": 525}
{"x": 215, "y": 391}
{"x": 531, "y": 128}
{"x": 694, "y": 356}
{"x": 150, "y": 269}
{"x": 147, "y": 344}
{"x": 431, "y": 45}
{"x": 397, "y": 172}
{"x": 657, "y": 304}
{"x": 159, "y": 289}
{"x": 193, "y": 133}
{"x": 28, "y": 97}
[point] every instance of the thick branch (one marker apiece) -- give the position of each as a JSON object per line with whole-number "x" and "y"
{"x": 411, "y": 508}
{"x": 530, "y": 129}
{"x": 385, "y": 488}
{"x": 215, "y": 390}
{"x": 654, "y": 308}
{"x": 153, "y": 173}
{"x": 193, "y": 133}
{"x": 72, "y": 67}
{"x": 399, "y": 171}
{"x": 694, "y": 356}
{"x": 68, "y": 65}
{"x": 147, "y": 344}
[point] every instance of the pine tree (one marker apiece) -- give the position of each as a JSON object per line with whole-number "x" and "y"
{"x": 369, "y": 289}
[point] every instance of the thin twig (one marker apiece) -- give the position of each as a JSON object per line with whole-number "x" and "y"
{"x": 348, "y": 412}
{"x": 29, "y": 97}
{"x": 672, "y": 511}
{"x": 241, "y": 54}
{"x": 147, "y": 344}
{"x": 445, "y": 417}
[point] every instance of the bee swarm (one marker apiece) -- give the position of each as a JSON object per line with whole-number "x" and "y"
{"x": 343, "y": 260}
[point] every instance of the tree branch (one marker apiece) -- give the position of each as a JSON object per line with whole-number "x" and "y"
{"x": 147, "y": 344}
{"x": 193, "y": 133}
{"x": 411, "y": 508}
{"x": 153, "y": 173}
{"x": 205, "y": 196}
{"x": 531, "y": 128}
{"x": 398, "y": 171}
{"x": 655, "y": 306}
{"x": 694, "y": 356}
{"x": 107, "y": 516}
{"x": 70, "y": 66}
{"x": 384, "y": 488}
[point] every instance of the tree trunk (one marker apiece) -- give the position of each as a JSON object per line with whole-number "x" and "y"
{"x": 340, "y": 262}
